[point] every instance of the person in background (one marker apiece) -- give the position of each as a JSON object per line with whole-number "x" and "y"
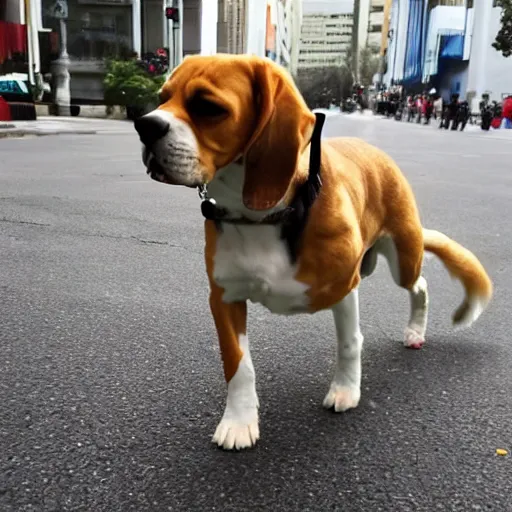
{"x": 438, "y": 106}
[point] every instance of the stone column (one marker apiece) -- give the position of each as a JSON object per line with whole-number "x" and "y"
{"x": 60, "y": 67}
{"x": 136, "y": 27}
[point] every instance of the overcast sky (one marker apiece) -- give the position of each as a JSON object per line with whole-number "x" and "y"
{"x": 327, "y": 6}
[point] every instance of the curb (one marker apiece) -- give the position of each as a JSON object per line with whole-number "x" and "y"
{"x": 18, "y": 132}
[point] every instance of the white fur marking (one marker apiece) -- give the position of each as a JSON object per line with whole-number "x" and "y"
{"x": 477, "y": 306}
{"x": 415, "y": 331}
{"x": 414, "y": 335}
{"x": 345, "y": 390}
{"x": 238, "y": 427}
{"x": 251, "y": 261}
{"x": 177, "y": 152}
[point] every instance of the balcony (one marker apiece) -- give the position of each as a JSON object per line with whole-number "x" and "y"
{"x": 376, "y": 18}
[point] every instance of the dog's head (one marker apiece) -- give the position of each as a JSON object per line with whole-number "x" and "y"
{"x": 220, "y": 109}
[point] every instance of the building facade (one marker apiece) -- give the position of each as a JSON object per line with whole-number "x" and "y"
{"x": 25, "y": 48}
{"x": 283, "y": 32}
{"x": 100, "y": 29}
{"x": 370, "y": 21}
{"x": 447, "y": 44}
{"x": 326, "y": 35}
{"x": 488, "y": 72}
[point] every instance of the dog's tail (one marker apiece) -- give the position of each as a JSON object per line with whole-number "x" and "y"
{"x": 463, "y": 265}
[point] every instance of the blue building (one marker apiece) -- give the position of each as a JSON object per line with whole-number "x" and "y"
{"x": 446, "y": 44}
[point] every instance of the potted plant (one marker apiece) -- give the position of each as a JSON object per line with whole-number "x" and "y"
{"x": 128, "y": 85}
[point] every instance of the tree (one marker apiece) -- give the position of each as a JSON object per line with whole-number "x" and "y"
{"x": 354, "y": 53}
{"x": 322, "y": 87}
{"x": 369, "y": 62}
{"x": 503, "y": 42}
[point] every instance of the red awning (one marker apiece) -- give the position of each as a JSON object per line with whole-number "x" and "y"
{"x": 13, "y": 40}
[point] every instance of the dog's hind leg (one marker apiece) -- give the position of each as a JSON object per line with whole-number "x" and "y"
{"x": 404, "y": 257}
{"x": 345, "y": 390}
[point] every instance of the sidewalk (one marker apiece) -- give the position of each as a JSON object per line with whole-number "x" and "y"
{"x": 64, "y": 126}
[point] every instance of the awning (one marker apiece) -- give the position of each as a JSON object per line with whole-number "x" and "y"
{"x": 452, "y": 47}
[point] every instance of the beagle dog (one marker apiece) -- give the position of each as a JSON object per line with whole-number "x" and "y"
{"x": 237, "y": 128}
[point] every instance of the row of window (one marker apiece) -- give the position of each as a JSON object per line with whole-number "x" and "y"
{"x": 324, "y": 41}
{"x": 453, "y": 3}
{"x": 322, "y": 52}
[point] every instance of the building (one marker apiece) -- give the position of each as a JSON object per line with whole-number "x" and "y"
{"x": 447, "y": 44}
{"x": 488, "y": 72}
{"x": 326, "y": 33}
{"x": 25, "y": 49}
{"x": 370, "y": 21}
{"x": 99, "y": 29}
{"x": 241, "y": 26}
{"x": 283, "y": 32}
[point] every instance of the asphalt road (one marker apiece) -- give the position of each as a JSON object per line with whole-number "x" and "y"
{"x": 110, "y": 377}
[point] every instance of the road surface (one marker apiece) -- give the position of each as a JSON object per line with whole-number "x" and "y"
{"x": 110, "y": 378}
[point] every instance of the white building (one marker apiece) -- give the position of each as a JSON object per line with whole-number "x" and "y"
{"x": 284, "y": 22}
{"x": 326, "y": 33}
{"x": 489, "y": 72}
{"x": 370, "y": 22}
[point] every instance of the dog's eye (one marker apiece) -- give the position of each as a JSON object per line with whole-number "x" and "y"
{"x": 201, "y": 107}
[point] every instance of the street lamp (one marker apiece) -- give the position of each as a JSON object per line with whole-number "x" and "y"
{"x": 60, "y": 67}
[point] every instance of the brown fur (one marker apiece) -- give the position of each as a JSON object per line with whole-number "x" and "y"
{"x": 230, "y": 319}
{"x": 463, "y": 265}
{"x": 364, "y": 194}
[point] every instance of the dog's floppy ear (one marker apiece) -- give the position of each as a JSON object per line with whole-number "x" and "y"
{"x": 283, "y": 128}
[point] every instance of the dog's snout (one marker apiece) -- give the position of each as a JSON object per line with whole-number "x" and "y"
{"x": 151, "y": 128}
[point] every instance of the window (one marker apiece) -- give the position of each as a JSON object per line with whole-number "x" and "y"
{"x": 99, "y": 31}
{"x": 450, "y": 3}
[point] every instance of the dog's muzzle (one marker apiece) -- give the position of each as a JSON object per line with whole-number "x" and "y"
{"x": 170, "y": 149}
{"x": 151, "y": 129}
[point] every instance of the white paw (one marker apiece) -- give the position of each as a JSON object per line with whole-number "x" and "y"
{"x": 413, "y": 339}
{"x": 233, "y": 434}
{"x": 342, "y": 398}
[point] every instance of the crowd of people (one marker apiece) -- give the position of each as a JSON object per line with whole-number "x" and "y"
{"x": 453, "y": 114}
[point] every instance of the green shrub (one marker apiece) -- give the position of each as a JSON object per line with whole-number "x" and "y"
{"x": 127, "y": 84}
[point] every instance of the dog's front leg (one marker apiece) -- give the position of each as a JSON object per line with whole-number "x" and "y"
{"x": 238, "y": 427}
{"x": 345, "y": 390}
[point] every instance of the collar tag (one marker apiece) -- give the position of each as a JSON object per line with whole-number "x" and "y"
{"x": 209, "y": 209}
{"x": 202, "y": 191}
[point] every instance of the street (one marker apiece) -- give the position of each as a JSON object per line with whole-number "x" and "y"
{"x": 111, "y": 383}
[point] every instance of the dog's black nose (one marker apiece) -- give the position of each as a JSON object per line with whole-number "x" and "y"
{"x": 151, "y": 128}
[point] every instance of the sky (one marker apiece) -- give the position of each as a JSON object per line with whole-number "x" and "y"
{"x": 327, "y": 6}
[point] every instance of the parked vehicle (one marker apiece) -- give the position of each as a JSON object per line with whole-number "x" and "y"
{"x": 349, "y": 105}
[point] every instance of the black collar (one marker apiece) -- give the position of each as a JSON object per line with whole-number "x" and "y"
{"x": 293, "y": 218}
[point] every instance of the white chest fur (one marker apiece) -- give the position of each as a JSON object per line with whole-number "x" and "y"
{"x": 252, "y": 263}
